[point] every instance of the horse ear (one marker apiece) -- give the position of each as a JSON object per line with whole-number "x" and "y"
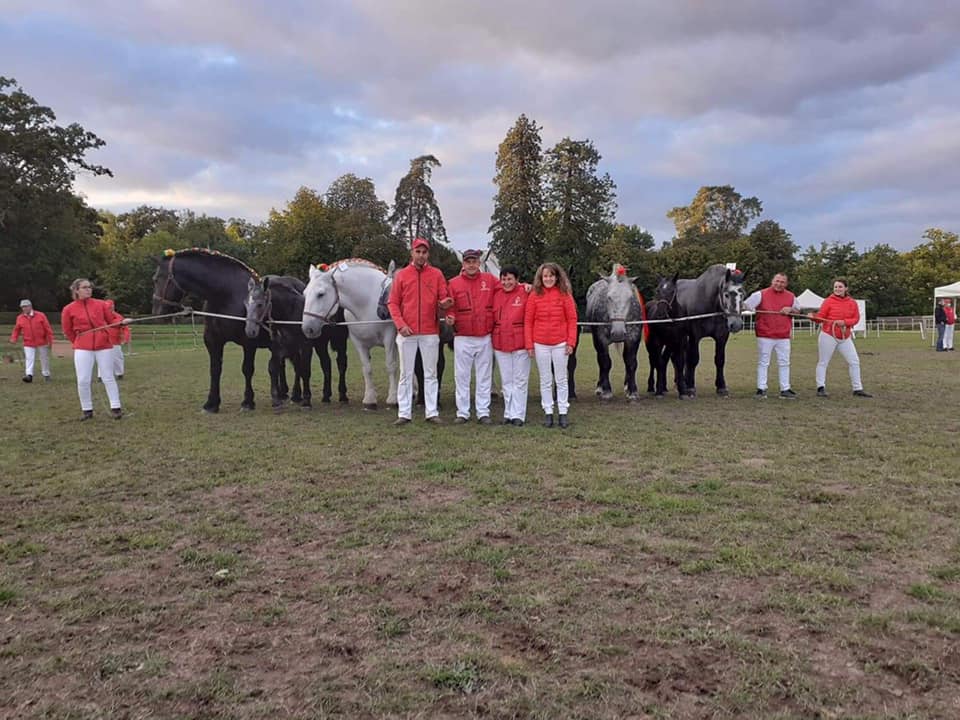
{"x": 313, "y": 271}
{"x": 676, "y": 276}
{"x": 251, "y": 284}
{"x": 266, "y": 283}
{"x": 633, "y": 278}
{"x": 391, "y": 268}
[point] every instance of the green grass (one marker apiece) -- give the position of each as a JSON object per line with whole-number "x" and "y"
{"x": 716, "y": 558}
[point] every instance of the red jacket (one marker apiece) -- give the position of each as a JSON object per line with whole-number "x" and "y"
{"x": 81, "y": 315}
{"x": 473, "y": 299}
{"x": 509, "y": 309}
{"x": 415, "y": 297}
{"x": 119, "y": 334}
{"x": 35, "y": 329}
{"x": 777, "y": 327}
{"x": 550, "y": 319}
{"x": 838, "y": 308}
{"x": 950, "y": 313}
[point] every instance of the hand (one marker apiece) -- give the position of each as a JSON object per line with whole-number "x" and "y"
{"x": 786, "y": 311}
{"x": 841, "y": 323}
{"x": 570, "y": 349}
{"x": 527, "y": 287}
{"x": 126, "y": 321}
{"x": 810, "y": 315}
{"x": 449, "y": 320}
{"x": 530, "y": 353}
{"x": 444, "y": 304}
{"x": 406, "y": 331}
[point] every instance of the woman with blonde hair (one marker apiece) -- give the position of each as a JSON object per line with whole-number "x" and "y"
{"x": 550, "y": 335}
{"x": 84, "y": 324}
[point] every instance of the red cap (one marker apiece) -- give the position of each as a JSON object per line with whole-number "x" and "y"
{"x": 419, "y": 242}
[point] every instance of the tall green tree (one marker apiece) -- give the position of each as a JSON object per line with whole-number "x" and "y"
{"x": 517, "y": 221}
{"x": 880, "y": 276}
{"x": 360, "y": 221}
{"x": 717, "y": 211}
{"x": 819, "y": 267}
{"x": 47, "y": 232}
{"x": 766, "y": 250}
{"x": 300, "y": 234}
{"x": 932, "y": 264}
{"x": 415, "y": 210}
{"x": 632, "y": 247}
{"x": 580, "y": 207}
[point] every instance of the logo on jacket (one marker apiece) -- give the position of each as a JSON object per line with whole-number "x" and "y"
{"x": 517, "y": 302}
{"x": 483, "y": 286}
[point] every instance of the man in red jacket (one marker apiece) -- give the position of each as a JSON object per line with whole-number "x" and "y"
{"x": 37, "y": 335}
{"x": 774, "y": 304}
{"x": 472, "y": 316}
{"x": 418, "y": 293}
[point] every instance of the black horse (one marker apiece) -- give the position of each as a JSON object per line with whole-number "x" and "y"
{"x": 221, "y": 282}
{"x": 718, "y": 291}
{"x": 665, "y": 338}
{"x": 276, "y": 303}
{"x": 615, "y": 302}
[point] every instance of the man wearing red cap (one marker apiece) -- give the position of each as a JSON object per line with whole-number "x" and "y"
{"x": 418, "y": 293}
{"x": 472, "y": 315}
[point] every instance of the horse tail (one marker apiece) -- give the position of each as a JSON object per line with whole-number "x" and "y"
{"x": 643, "y": 316}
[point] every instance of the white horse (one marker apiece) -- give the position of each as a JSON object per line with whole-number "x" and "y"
{"x": 355, "y": 286}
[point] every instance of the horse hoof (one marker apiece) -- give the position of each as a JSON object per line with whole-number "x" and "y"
{"x": 246, "y": 408}
{"x": 326, "y": 400}
{"x": 369, "y": 406}
{"x": 688, "y": 397}
{"x": 211, "y": 410}
{"x": 344, "y": 399}
{"x": 659, "y": 396}
{"x": 633, "y": 397}
{"x": 723, "y": 392}
{"x": 606, "y": 396}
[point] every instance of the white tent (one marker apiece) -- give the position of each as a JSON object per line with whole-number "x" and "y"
{"x": 809, "y": 300}
{"x": 947, "y": 291}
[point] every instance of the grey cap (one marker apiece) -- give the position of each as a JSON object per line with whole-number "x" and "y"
{"x": 26, "y": 303}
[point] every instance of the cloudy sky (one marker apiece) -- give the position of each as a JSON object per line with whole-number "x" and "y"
{"x": 842, "y": 117}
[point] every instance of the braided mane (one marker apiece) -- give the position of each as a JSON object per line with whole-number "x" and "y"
{"x": 357, "y": 261}
{"x": 217, "y": 253}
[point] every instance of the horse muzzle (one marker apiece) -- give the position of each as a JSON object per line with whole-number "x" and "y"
{"x": 734, "y": 323}
{"x": 618, "y": 331}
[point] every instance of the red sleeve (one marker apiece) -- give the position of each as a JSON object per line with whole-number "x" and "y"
{"x": 853, "y": 316}
{"x": 17, "y": 329}
{"x": 570, "y": 310}
{"x": 528, "y": 313}
{"x": 393, "y": 303}
{"x": 451, "y": 289}
{"x": 443, "y": 291}
{"x": 66, "y": 323}
{"x": 47, "y": 330}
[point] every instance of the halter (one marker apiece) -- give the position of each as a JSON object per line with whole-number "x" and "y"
{"x": 162, "y": 297}
{"x": 266, "y": 317}
{"x": 336, "y": 305}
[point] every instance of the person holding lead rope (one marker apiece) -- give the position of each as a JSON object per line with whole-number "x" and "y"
{"x": 84, "y": 323}
{"x": 836, "y": 317}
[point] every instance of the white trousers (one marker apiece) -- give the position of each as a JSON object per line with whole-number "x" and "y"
{"x": 429, "y": 346}
{"x": 514, "y": 378}
{"x": 83, "y": 361}
{"x": 826, "y": 346}
{"x": 554, "y": 356}
{"x": 116, "y": 366}
{"x": 30, "y": 355}
{"x": 948, "y": 337}
{"x": 468, "y": 353}
{"x": 765, "y": 348}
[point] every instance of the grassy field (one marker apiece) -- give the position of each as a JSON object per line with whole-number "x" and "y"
{"x": 707, "y": 559}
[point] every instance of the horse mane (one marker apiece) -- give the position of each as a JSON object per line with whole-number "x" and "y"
{"x": 357, "y": 261}
{"x": 216, "y": 253}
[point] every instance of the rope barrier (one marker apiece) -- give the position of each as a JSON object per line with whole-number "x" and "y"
{"x": 130, "y": 321}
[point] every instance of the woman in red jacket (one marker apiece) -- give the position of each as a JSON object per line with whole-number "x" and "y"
{"x": 836, "y": 317}
{"x": 550, "y": 335}
{"x": 84, "y": 322}
{"x": 509, "y": 308}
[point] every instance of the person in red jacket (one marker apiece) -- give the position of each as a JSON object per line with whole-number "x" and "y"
{"x": 37, "y": 336}
{"x": 473, "y": 294}
{"x": 84, "y": 324}
{"x": 509, "y": 308}
{"x": 774, "y": 326}
{"x": 119, "y": 334}
{"x": 836, "y": 317}
{"x": 418, "y": 293}
{"x": 951, "y": 317}
{"x": 550, "y": 335}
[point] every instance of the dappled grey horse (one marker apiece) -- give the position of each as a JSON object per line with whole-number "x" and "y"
{"x": 717, "y": 290}
{"x": 614, "y": 301}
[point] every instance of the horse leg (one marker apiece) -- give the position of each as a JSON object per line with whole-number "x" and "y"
{"x": 441, "y": 366}
{"x": 720, "y": 359}
{"x": 630, "y": 350}
{"x": 215, "y": 351}
{"x": 323, "y": 350}
{"x": 370, "y": 391}
{"x": 275, "y": 368}
{"x": 690, "y": 369}
{"x": 571, "y": 371}
{"x": 342, "y": 372}
{"x": 392, "y": 356}
{"x": 304, "y": 355}
{"x": 249, "y": 357}
{"x": 603, "y": 361}
{"x": 418, "y": 373}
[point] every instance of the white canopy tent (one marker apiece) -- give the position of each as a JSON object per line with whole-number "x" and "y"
{"x": 809, "y": 300}
{"x": 947, "y": 291}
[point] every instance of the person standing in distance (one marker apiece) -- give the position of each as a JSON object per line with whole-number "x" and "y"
{"x": 37, "y": 336}
{"x": 472, "y": 317}
{"x": 550, "y": 335}
{"x": 418, "y": 293}
{"x": 84, "y": 324}
{"x": 940, "y": 318}
{"x": 951, "y": 319}
{"x": 773, "y": 326}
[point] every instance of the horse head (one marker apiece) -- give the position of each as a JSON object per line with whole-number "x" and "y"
{"x": 167, "y": 293}
{"x": 383, "y": 312}
{"x": 665, "y": 298}
{"x": 621, "y": 301}
{"x": 321, "y": 300}
{"x": 731, "y": 298}
{"x": 258, "y": 306}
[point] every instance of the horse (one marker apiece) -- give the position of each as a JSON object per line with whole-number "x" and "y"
{"x": 717, "y": 290}
{"x": 614, "y": 301}
{"x": 221, "y": 282}
{"x": 665, "y": 340}
{"x": 355, "y": 286}
{"x": 446, "y": 337}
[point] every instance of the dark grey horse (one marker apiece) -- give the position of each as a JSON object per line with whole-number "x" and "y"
{"x": 665, "y": 338}
{"x": 718, "y": 290}
{"x": 615, "y": 302}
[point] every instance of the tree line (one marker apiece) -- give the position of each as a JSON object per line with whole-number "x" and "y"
{"x": 549, "y": 204}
